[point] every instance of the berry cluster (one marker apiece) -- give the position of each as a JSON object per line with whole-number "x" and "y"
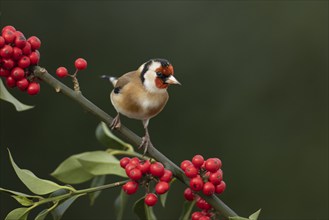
{"x": 205, "y": 176}
{"x": 143, "y": 172}
{"x": 207, "y": 210}
{"x": 206, "y": 213}
{"x": 17, "y": 55}
{"x": 80, "y": 64}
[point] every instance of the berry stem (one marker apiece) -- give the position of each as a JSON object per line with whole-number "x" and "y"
{"x": 77, "y": 192}
{"x": 75, "y": 81}
{"x": 102, "y": 187}
{"x": 123, "y": 131}
{"x": 127, "y": 153}
{"x": 76, "y": 84}
{"x": 75, "y": 73}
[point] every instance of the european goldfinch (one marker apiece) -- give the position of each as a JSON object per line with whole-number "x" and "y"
{"x": 142, "y": 94}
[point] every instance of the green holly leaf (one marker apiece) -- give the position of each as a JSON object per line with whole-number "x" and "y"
{"x": 18, "y": 214}
{"x": 143, "y": 211}
{"x": 84, "y": 166}
{"x": 238, "y": 218}
{"x": 120, "y": 204}
{"x": 101, "y": 163}
{"x": 6, "y": 96}
{"x": 11, "y": 192}
{"x": 71, "y": 171}
{"x": 163, "y": 197}
{"x": 187, "y": 209}
{"x": 105, "y": 136}
{"x": 23, "y": 200}
{"x": 43, "y": 214}
{"x": 59, "y": 211}
{"x": 32, "y": 182}
{"x": 255, "y": 215}
{"x": 97, "y": 181}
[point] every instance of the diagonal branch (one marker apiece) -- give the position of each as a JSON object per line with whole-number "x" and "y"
{"x": 128, "y": 134}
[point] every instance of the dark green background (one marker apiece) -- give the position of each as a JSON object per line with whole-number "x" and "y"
{"x": 254, "y": 93}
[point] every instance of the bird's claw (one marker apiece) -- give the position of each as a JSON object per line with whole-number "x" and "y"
{"x": 116, "y": 123}
{"x": 146, "y": 142}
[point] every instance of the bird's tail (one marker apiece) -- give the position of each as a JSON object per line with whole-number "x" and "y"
{"x": 112, "y": 79}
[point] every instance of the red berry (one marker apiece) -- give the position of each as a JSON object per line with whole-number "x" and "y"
{"x": 8, "y": 63}
{"x": 17, "y": 73}
{"x": 202, "y": 204}
{"x": 144, "y": 166}
{"x": 6, "y": 51}
{"x": 157, "y": 169}
{"x": 125, "y": 160}
{"x": 27, "y": 49}
{"x": 167, "y": 176}
{"x": 161, "y": 187}
{"x": 185, "y": 164}
{"x": 196, "y": 215}
{"x": 135, "y": 174}
{"x": 208, "y": 189}
{"x": 20, "y": 40}
{"x": 220, "y": 187}
{"x": 18, "y": 33}
{"x": 130, "y": 187}
{"x": 196, "y": 183}
{"x": 2, "y": 41}
{"x": 17, "y": 53}
{"x": 22, "y": 84}
{"x": 204, "y": 218}
{"x": 24, "y": 62}
{"x": 4, "y": 72}
{"x": 33, "y": 88}
{"x": 62, "y": 72}
{"x": 191, "y": 171}
{"x": 197, "y": 161}
{"x": 219, "y": 161}
{"x": 212, "y": 165}
{"x": 9, "y": 36}
{"x": 216, "y": 177}
{"x": 151, "y": 199}
{"x": 35, "y": 42}
{"x": 80, "y": 64}
{"x": 34, "y": 57}
{"x": 129, "y": 167}
{"x": 10, "y": 81}
{"x": 134, "y": 161}
{"x": 8, "y": 27}
{"x": 189, "y": 194}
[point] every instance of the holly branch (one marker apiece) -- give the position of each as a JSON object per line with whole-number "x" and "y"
{"x": 154, "y": 171}
{"x": 131, "y": 137}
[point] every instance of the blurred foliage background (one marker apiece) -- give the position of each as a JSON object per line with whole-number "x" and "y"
{"x": 254, "y": 93}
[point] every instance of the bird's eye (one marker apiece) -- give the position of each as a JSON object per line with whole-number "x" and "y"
{"x": 159, "y": 74}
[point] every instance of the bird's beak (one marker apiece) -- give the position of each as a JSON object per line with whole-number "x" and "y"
{"x": 172, "y": 80}
{"x": 105, "y": 77}
{"x": 111, "y": 79}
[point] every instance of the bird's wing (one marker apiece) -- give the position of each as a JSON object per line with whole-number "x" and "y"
{"x": 125, "y": 79}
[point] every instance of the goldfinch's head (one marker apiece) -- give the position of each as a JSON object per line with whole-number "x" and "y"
{"x": 157, "y": 75}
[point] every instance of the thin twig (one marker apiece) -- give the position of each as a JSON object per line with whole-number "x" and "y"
{"x": 79, "y": 192}
{"x": 128, "y": 134}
